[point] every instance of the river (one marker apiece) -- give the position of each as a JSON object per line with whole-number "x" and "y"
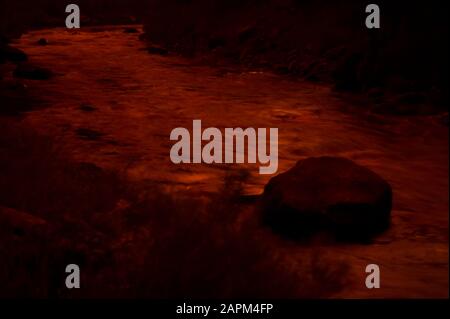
{"x": 114, "y": 104}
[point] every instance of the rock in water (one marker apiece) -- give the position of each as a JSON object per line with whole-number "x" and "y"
{"x": 87, "y": 108}
{"x": 131, "y": 30}
{"x": 328, "y": 193}
{"x": 9, "y": 53}
{"x": 42, "y": 41}
{"x": 157, "y": 50}
{"x": 31, "y": 72}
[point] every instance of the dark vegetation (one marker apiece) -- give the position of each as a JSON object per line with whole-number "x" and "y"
{"x": 405, "y": 63}
{"x": 19, "y": 16}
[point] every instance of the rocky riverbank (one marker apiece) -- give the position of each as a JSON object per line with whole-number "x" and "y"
{"x": 401, "y": 68}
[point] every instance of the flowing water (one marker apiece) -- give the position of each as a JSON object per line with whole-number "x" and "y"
{"x": 114, "y": 104}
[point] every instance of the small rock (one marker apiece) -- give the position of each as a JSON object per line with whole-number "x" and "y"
{"x": 328, "y": 193}
{"x": 87, "y": 108}
{"x": 131, "y": 30}
{"x": 9, "y": 53}
{"x": 157, "y": 50}
{"x": 88, "y": 134}
{"x": 42, "y": 41}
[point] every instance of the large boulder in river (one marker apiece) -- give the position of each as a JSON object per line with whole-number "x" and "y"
{"x": 328, "y": 193}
